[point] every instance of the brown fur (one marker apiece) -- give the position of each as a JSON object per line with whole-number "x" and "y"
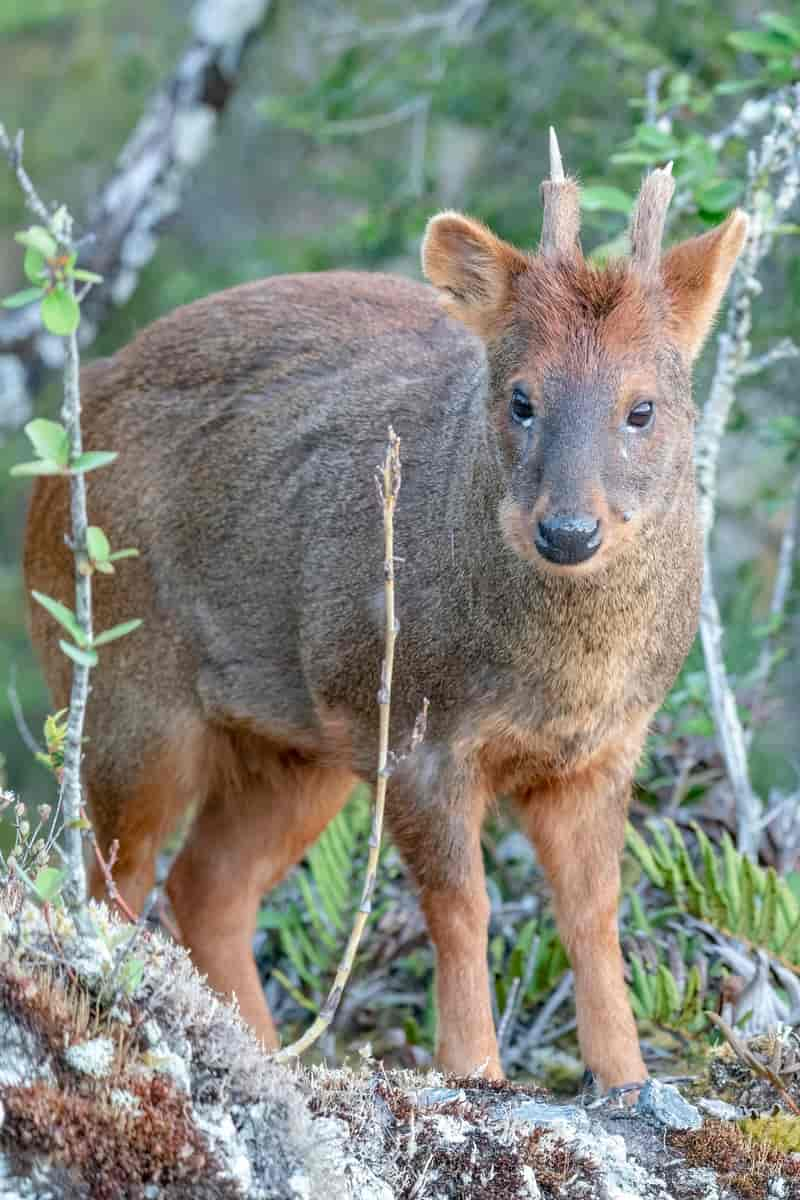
{"x": 248, "y": 426}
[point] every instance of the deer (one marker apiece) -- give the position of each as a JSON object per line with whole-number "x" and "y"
{"x": 549, "y": 580}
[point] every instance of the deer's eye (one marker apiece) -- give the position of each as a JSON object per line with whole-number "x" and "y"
{"x": 521, "y": 407}
{"x": 641, "y": 415}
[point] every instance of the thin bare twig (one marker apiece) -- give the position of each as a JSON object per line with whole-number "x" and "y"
{"x": 23, "y": 727}
{"x": 388, "y": 482}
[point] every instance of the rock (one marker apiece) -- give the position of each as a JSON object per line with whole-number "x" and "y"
{"x": 539, "y": 1112}
{"x": 662, "y": 1104}
{"x": 700, "y": 1182}
{"x": 719, "y": 1109}
{"x": 433, "y": 1096}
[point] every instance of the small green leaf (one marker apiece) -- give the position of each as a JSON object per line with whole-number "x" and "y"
{"x": 118, "y": 631}
{"x": 782, "y": 25}
{"x": 84, "y": 658}
{"x": 128, "y": 552}
{"x": 732, "y": 87}
{"x": 131, "y": 975}
{"x": 40, "y": 467}
{"x": 35, "y": 266}
{"x": 48, "y": 883}
{"x": 97, "y": 544}
{"x": 38, "y": 238}
{"x": 603, "y": 198}
{"x": 718, "y": 195}
{"x": 61, "y": 312}
{"x": 65, "y": 616}
{"x": 763, "y": 44}
{"x": 90, "y": 460}
{"x": 19, "y": 299}
{"x": 49, "y": 439}
{"x": 104, "y": 567}
{"x": 86, "y": 276}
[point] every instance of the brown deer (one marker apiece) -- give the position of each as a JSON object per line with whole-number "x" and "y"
{"x": 548, "y": 588}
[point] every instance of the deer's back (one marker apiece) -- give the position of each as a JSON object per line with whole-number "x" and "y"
{"x": 249, "y": 426}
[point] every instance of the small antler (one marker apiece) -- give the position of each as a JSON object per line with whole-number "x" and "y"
{"x": 649, "y": 217}
{"x": 561, "y": 200}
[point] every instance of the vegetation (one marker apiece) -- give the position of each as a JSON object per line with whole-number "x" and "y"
{"x": 375, "y": 120}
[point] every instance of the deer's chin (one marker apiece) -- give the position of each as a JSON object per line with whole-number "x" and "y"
{"x": 517, "y": 528}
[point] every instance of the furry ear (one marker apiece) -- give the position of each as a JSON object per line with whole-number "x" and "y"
{"x": 471, "y": 269}
{"x": 696, "y": 274}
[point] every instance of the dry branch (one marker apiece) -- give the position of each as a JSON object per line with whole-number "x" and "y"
{"x": 388, "y": 484}
{"x": 146, "y": 187}
{"x": 773, "y": 186}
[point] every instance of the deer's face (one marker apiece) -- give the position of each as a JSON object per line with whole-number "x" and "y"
{"x": 590, "y": 402}
{"x": 589, "y": 368}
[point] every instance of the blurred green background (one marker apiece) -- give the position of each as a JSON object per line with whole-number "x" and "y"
{"x": 351, "y": 124}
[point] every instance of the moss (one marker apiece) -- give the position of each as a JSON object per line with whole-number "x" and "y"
{"x": 781, "y": 1131}
{"x": 116, "y": 1151}
{"x": 743, "y": 1164}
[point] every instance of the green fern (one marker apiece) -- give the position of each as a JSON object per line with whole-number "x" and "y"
{"x": 725, "y": 889}
{"x": 657, "y": 996}
{"x": 311, "y": 930}
{"x": 536, "y": 957}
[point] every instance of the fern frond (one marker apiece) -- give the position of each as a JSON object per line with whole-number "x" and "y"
{"x": 723, "y": 888}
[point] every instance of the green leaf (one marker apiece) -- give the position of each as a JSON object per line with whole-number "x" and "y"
{"x": 48, "y": 883}
{"x": 652, "y": 138}
{"x": 642, "y": 853}
{"x": 19, "y": 299}
{"x": 603, "y": 198}
{"x": 768, "y": 920}
{"x": 38, "y": 238}
{"x": 86, "y": 276}
{"x": 40, "y": 467}
{"x": 35, "y": 266}
{"x": 90, "y": 460}
{"x": 118, "y": 631}
{"x": 782, "y": 25}
{"x": 128, "y": 552}
{"x": 85, "y": 658}
{"x": 97, "y": 544}
{"x": 61, "y": 312}
{"x": 49, "y": 439}
{"x": 732, "y": 87}
{"x": 131, "y": 975}
{"x": 718, "y": 195}
{"x": 65, "y": 616}
{"x": 105, "y": 568}
{"x": 768, "y": 45}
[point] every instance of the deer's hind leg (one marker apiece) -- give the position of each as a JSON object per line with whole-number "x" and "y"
{"x": 264, "y": 808}
{"x": 138, "y": 809}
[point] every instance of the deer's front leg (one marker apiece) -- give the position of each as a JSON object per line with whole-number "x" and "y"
{"x": 578, "y": 827}
{"x": 435, "y": 821}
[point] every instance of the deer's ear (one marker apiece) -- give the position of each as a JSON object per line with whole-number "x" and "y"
{"x": 696, "y": 274}
{"x": 471, "y": 269}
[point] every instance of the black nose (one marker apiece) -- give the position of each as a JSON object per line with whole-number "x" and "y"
{"x": 568, "y": 540}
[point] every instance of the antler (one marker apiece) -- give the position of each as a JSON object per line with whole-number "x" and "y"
{"x": 649, "y": 217}
{"x": 561, "y": 200}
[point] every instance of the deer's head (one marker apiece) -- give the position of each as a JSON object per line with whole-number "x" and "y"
{"x": 590, "y": 389}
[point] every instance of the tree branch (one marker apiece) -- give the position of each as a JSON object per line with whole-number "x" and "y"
{"x": 773, "y": 186}
{"x": 146, "y": 187}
